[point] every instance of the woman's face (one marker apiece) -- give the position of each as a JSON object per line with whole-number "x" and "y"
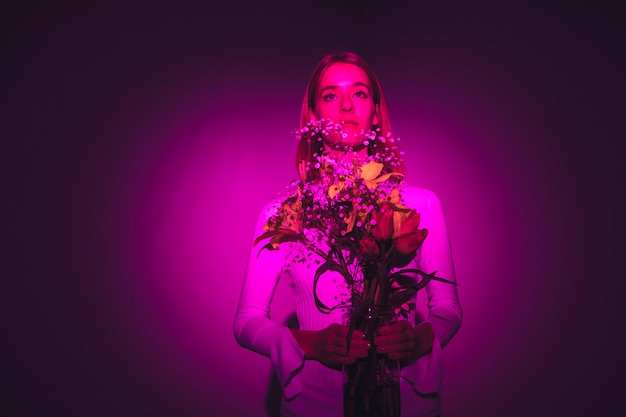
{"x": 345, "y": 96}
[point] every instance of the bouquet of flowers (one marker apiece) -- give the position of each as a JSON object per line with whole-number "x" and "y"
{"x": 352, "y": 216}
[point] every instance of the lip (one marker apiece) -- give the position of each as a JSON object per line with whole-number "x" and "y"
{"x": 349, "y": 122}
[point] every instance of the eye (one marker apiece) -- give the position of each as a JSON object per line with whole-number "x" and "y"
{"x": 361, "y": 94}
{"x": 329, "y": 97}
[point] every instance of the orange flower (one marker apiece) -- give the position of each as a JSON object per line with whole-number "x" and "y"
{"x": 383, "y": 227}
{"x": 290, "y": 217}
{"x": 394, "y": 197}
{"x": 370, "y": 173}
{"x": 350, "y": 219}
{"x": 335, "y": 189}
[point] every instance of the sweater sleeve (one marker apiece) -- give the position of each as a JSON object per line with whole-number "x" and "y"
{"x": 253, "y": 327}
{"x": 444, "y": 309}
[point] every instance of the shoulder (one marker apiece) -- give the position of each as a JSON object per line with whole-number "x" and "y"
{"x": 421, "y": 199}
{"x": 427, "y": 204}
{"x": 269, "y": 209}
{"x": 273, "y": 207}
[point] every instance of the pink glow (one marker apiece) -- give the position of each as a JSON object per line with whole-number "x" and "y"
{"x": 198, "y": 194}
{"x": 144, "y": 142}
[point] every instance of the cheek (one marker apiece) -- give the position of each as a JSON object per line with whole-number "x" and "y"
{"x": 326, "y": 110}
{"x": 369, "y": 113}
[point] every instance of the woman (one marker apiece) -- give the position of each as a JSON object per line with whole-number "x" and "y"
{"x": 343, "y": 89}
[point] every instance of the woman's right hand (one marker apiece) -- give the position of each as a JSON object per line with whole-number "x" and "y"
{"x": 330, "y": 345}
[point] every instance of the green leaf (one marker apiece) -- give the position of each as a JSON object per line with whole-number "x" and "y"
{"x": 425, "y": 277}
{"x": 268, "y": 247}
{"x": 267, "y": 235}
{"x": 405, "y": 281}
{"x": 289, "y": 235}
{"x": 329, "y": 265}
{"x": 400, "y": 297}
{"x": 277, "y": 237}
{"x": 295, "y": 237}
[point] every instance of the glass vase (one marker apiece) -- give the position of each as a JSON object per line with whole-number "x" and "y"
{"x": 371, "y": 385}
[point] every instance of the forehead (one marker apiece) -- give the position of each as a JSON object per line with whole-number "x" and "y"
{"x": 341, "y": 73}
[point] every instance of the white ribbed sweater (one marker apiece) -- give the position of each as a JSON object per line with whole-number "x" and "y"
{"x": 310, "y": 388}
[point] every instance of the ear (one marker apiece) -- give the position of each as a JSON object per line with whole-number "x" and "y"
{"x": 375, "y": 118}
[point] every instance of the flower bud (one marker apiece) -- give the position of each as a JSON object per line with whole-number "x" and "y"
{"x": 409, "y": 224}
{"x": 410, "y": 242}
{"x": 369, "y": 248}
{"x": 383, "y": 229}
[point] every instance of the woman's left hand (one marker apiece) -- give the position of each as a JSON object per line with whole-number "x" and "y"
{"x": 401, "y": 341}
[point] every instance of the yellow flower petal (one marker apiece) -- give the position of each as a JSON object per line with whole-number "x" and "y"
{"x": 394, "y": 197}
{"x": 334, "y": 189}
{"x": 371, "y": 170}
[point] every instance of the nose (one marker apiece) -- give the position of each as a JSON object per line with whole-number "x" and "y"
{"x": 346, "y": 104}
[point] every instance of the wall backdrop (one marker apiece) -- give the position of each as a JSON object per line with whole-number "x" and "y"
{"x": 142, "y": 139}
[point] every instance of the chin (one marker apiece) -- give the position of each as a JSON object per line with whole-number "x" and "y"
{"x": 354, "y": 133}
{"x": 352, "y": 142}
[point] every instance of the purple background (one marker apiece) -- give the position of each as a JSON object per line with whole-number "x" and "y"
{"x": 141, "y": 141}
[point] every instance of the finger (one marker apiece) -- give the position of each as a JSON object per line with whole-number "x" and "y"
{"x": 397, "y": 327}
{"x": 357, "y": 340}
{"x": 342, "y": 342}
{"x": 358, "y": 334}
{"x": 342, "y": 350}
{"x": 339, "y": 329}
{"x": 395, "y": 338}
{"x": 359, "y": 351}
{"x": 400, "y": 342}
{"x": 360, "y": 343}
{"x": 344, "y": 331}
{"x": 344, "y": 360}
{"x": 404, "y": 347}
{"x": 353, "y": 351}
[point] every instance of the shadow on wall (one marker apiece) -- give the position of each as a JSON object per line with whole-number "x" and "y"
{"x": 274, "y": 391}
